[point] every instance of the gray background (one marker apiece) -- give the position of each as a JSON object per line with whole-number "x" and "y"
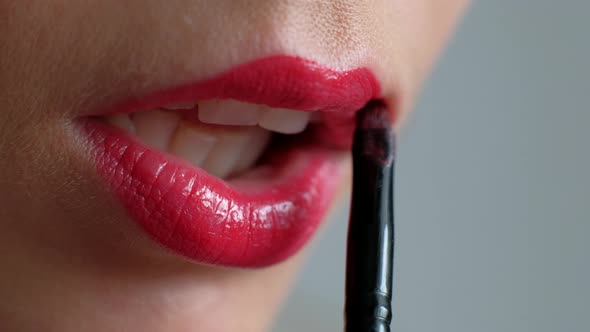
{"x": 493, "y": 185}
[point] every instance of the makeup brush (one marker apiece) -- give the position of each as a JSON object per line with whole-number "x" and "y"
{"x": 369, "y": 261}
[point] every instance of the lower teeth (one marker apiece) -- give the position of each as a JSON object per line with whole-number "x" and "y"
{"x": 226, "y": 151}
{"x": 221, "y": 151}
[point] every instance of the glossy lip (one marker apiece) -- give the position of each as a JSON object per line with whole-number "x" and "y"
{"x": 252, "y": 222}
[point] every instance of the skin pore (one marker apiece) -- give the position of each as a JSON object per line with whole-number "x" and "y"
{"x": 71, "y": 260}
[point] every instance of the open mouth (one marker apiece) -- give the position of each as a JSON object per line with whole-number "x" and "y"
{"x": 235, "y": 170}
{"x": 225, "y": 138}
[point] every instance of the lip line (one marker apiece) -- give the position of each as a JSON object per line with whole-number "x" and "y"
{"x": 135, "y": 173}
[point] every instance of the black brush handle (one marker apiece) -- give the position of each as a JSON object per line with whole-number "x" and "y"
{"x": 370, "y": 250}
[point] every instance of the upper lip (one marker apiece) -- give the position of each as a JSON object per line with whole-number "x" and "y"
{"x": 277, "y": 81}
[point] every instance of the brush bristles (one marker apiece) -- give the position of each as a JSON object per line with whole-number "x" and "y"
{"x": 374, "y": 115}
{"x": 374, "y": 139}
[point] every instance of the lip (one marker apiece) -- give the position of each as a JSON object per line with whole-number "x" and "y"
{"x": 251, "y": 223}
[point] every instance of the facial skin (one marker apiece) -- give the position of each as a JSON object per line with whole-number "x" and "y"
{"x": 71, "y": 260}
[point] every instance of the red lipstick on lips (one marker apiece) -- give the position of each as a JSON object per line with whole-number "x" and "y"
{"x": 258, "y": 221}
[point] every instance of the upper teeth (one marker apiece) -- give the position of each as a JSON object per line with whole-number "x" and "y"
{"x": 237, "y": 113}
{"x": 284, "y": 121}
{"x": 181, "y": 106}
{"x": 231, "y": 113}
{"x": 220, "y": 151}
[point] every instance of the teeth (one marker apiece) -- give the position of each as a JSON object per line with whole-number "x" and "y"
{"x": 284, "y": 121}
{"x": 252, "y": 150}
{"x": 225, "y": 155}
{"x": 229, "y": 112}
{"x": 221, "y": 151}
{"x": 181, "y": 106}
{"x": 192, "y": 143}
{"x": 122, "y": 121}
{"x": 155, "y": 128}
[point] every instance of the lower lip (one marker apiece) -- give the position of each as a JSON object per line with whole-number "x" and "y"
{"x": 249, "y": 223}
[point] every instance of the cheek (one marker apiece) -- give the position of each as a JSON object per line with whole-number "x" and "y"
{"x": 411, "y": 35}
{"x": 427, "y": 25}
